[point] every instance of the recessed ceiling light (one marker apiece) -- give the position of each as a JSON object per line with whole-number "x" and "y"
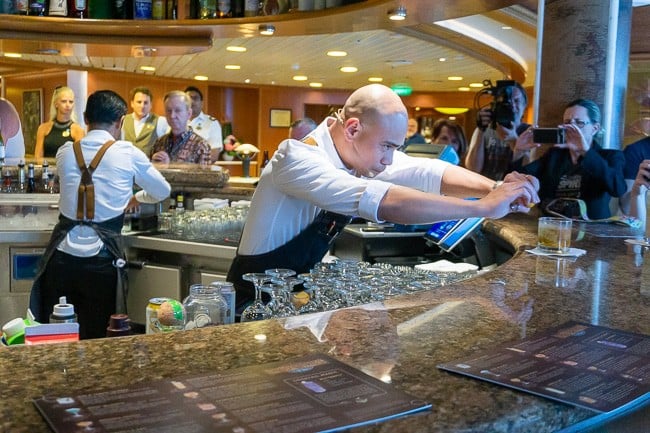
{"x": 48, "y": 51}
{"x": 451, "y": 110}
{"x": 247, "y": 80}
{"x": 147, "y": 68}
{"x": 335, "y": 53}
{"x": 315, "y": 84}
{"x": 348, "y": 69}
{"x": 464, "y": 89}
{"x": 375, "y": 79}
{"x": 236, "y": 49}
{"x": 13, "y": 55}
{"x": 200, "y": 78}
{"x": 442, "y": 59}
{"x": 454, "y": 78}
{"x": 266, "y": 29}
{"x": 300, "y": 78}
{"x": 506, "y": 27}
{"x": 397, "y": 14}
{"x": 233, "y": 67}
{"x": 476, "y": 85}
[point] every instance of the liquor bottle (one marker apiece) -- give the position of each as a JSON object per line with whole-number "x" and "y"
{"x": 207, "y": 9}
{"x": 123, "y": 9}
{"x": 158, "y": 9}
{"x": 37, "y": 8}
{"x": 265, "y": 159}
{"x": 251, "y": 7}
{"x": 237, "y": 8}
{"x": 77, "y": 8}
{"x": 21, "y": 176}
{"x": 172, "y": 10}
{"x": 100, "y": 9}
{"x": 31, "y": 182}
{"x": 58, "y": 8}
{"x": 142, "y": 9}
{"x": 225, "y": 10}
{"x": 45, "y": 176}
{"x": 21, "y": 7}
{"x": 180, "y": 203}
{"x": 2, "y": 152}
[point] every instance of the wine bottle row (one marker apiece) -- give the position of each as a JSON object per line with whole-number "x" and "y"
{"x": 162, "y": 9}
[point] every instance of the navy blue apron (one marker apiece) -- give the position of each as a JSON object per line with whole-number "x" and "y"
{"x": 300, "y": 254}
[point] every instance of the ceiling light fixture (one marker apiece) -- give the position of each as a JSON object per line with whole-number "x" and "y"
{"x": 13, "y": 55}
{"x": 201, "y": 78}
{"x": 398, "y": 14}
{"x": 236, "y": 49}
{"x": 337, "y": 53}
{"x": 266, "y": 29}
{"x": 316, "y": 84}
{"x": 375, "y": 79}
{"x": 451, "y": 110}
{"x": 348, "y": 69}
{"x": 464, "y": 89}
{"x": 455, "y": 78}
{"x": 300, "y": 78}
{"x": 232, "y": 67}
{"x": 147, "y": 68}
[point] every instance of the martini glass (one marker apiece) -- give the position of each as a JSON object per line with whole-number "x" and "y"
{"x": 257, "y": 310}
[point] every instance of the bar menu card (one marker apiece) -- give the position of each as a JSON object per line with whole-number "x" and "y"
{"x": 588, "y": 366}
{"x": 315, "y": 393}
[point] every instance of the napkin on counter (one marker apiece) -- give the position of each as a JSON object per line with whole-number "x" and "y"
{"x": 447, "y": 266}
{"x": 242, "y": 203}
{"x": 210, "y": 203}
{"x": 573, "y": 252}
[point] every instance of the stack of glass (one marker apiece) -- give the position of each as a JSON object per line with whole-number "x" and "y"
{"x": 339, "y": 284}
{"x": 223, "y": 225}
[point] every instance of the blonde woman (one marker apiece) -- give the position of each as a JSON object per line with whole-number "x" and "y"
{"x": 62, "y": 126}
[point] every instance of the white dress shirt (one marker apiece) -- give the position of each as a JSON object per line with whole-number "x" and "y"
{"x": 209, "y": 129}
{"x": 113, "y": 182}
{"x": 162, "y": 127}
{"x": 301, "y": 179}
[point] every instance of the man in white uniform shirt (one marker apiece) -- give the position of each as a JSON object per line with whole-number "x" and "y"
{"x": 348, "y": 167}
{"x": 206, "y": 126}
{"x": 84, "y": 260}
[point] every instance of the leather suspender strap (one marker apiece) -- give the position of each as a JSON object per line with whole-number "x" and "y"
{"x": 86, "y": 190}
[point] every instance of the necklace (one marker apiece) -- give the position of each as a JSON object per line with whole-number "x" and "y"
{"x": 62, "y": 125}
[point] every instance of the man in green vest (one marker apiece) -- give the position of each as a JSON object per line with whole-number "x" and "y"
{"x": 142, "y": 127}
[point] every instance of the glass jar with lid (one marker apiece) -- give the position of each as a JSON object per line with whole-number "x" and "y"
{"x": 204, "y": 307}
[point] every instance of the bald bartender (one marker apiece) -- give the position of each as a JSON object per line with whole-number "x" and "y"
{"x": 347, "y": 167}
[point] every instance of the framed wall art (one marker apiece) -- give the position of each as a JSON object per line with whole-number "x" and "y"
{"x": 280, "y": 118}
{"x": 32, "y": 115}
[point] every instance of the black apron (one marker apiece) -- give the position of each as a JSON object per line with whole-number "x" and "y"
{"x": 300, "y": 254}
{"x": 110, "y": 233}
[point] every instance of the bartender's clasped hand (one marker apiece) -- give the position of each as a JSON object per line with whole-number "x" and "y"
{"x": 517, "y": 193}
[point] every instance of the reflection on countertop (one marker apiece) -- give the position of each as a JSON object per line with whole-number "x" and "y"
{"x": 399, "y": 341}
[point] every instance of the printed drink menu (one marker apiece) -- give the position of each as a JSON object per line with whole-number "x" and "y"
{"x": 588, "y": 366}
{"x": 315, "y": 393}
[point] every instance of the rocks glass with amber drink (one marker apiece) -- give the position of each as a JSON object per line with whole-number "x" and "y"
{"x": 554, "y": 235}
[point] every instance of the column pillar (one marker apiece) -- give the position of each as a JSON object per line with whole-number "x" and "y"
{"x": 78, "y": 82}
{"x": 585, "y": 48}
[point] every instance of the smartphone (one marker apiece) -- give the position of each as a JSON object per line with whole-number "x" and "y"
{"x": 548, "y": 135}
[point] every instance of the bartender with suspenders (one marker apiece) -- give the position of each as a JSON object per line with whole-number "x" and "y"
{"x": 348, "y": 167}
{"x": 84, "y": 260}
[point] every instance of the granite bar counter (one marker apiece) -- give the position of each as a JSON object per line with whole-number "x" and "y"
{"x": 402, "y": 341}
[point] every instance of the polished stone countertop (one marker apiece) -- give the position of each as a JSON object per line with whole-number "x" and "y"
{"x": 402, "y": 341}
